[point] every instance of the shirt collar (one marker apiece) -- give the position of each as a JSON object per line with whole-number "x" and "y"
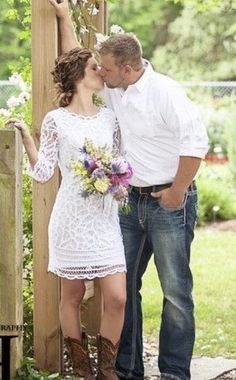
{"x": 144, "y": 78}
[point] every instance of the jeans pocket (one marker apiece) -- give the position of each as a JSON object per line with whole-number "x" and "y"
{"x": 172, "y": 209}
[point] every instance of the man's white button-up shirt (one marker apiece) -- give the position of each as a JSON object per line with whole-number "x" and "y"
{"x": 158, "y": 123}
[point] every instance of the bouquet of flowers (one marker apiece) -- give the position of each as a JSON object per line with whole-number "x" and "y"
{"x": 103, "y": 173}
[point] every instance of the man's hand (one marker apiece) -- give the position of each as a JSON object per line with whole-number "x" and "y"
{"x": 61, "y": 7}
{"x": 170, "y": 197}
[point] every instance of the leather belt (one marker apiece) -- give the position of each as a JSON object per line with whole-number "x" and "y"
{"x": 156, "y": 188}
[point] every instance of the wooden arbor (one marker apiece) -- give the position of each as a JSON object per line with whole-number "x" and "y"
{"x": 47, "y": 337}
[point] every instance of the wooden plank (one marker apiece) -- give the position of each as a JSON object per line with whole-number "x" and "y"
{"x": 93, "y": 308}
{"x": 47, "y": 340}
{"x": 91, "y": 311}
{"x": 89, "y": 290}
{"x": 99, "y": 21}
{"x": 11, "y": 242}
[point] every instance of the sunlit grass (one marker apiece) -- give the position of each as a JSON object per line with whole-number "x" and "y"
{"x": 214, "y": 268}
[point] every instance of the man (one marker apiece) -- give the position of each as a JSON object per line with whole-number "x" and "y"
{"x": 164, "y": 141}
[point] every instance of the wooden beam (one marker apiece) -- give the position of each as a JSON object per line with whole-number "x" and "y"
{"x": 47, "y": 340}
{"x": 48, "y": 345}
{"x": 11, "y": 242}
{"x": 92, "y": 312}
{"x": 101, "y": 20}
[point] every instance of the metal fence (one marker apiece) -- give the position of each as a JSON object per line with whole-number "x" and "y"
{"x": 217, "y": 103}
{"x": 199, "y": 91}
{"x": 7, "y": 90}
{"x": 214, "y": 89}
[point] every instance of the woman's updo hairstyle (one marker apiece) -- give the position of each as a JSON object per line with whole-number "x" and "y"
{"x": 69, "y": 68}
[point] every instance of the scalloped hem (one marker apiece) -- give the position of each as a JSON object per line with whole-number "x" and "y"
{"x": 86, "y": 276}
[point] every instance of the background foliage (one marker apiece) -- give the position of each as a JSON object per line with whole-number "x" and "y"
{"x": 186, "y": 39}
{"x": 15, "y": 33}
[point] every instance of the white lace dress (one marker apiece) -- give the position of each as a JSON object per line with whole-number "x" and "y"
{"x": 85, "y": 242}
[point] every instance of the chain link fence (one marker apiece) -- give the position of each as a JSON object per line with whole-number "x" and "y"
{"x": 215, "y": 99}
{"x": 7, "y": 90}
{"x": 217, "y": 103}
{"x": 213, "y": 90}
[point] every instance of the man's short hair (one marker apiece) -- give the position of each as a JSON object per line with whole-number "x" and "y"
{"x": 125, "y": 48}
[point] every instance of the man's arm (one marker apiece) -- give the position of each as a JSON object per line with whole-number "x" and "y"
{"x": 68, "y": 37}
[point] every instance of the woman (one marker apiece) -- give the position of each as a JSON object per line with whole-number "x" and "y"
{"x": 84, "y": 242}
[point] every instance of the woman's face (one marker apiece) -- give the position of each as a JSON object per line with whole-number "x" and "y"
{"x": 92, "y": 79}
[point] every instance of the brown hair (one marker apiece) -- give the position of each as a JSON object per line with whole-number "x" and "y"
{"x": 125, "y": 48}
{"x": 69, "y": 68}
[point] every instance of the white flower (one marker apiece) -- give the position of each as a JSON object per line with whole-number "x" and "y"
{"x": 94, "y": 11}
{"x": 116, "y": 29}
{"x": 100, "y": 39}
{"x": 74, "y": 2}
{"x": 13, "y": 101}
{"x": 4, "y": 112}
{"x": 24, "y": 96}
{"x": 83, "y": 30}
{"x": 17, "y": 80}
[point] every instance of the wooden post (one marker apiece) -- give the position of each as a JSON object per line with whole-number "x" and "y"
{"x": 48, "y": 346}
{"x": 11, "y": 242}
{"x": 92, "y": 312}
{"x": 46, "y": 286}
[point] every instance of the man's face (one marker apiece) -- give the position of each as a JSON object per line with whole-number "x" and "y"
{"x": 113, "y": 75}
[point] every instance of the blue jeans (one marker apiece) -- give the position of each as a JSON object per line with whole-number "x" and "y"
{"x": 168, "y": 233}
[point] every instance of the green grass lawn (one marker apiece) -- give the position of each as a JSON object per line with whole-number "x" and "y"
{"x": 214, "y": 269}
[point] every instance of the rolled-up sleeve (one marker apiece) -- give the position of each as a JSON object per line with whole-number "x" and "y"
{"x": 44, "y": 168}
{"x": 182, "y": 117}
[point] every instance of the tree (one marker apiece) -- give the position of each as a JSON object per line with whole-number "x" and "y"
{"x": 204, "y": 5}
{"x": 200, "y": 47}
{"x": 14, "y": 31}
{"x": 148, "y": 19}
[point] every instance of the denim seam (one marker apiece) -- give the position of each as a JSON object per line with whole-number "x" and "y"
{"x": 134, "y": 288}
{"x": 185, "y": 201}
{"x": 138, "y": 209}
{"x": 145, "y": 208}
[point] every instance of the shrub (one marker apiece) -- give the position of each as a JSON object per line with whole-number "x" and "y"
{"x": 217, "y": 194}
{"x": 28, "y": 372}
{"x": 27, "y": 266}
{"x": 231, "y": 124}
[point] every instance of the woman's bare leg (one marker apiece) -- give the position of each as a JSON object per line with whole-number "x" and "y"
{"x": 72, "y": 293}
{"x": 113, "y": 288}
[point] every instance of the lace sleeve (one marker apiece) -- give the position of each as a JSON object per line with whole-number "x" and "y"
{"x": 117, "y": 138}
{"x": 44, "y": 168}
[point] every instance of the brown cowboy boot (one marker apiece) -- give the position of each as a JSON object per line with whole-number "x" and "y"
{"x": 107, "y": 353}
{"x": 79, "y": 354}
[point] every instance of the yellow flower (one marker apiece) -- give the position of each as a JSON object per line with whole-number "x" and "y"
{"x": 101, "y": 185}
{"x": 79, "y": 169}
{"x": 87, "y": 183}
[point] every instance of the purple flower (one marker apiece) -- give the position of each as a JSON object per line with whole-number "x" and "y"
{"x": 90, "y": 164}
{"x": 119, "y": 165}
{"x": 129, "y": 172}
{"x": 99, "y": 173}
